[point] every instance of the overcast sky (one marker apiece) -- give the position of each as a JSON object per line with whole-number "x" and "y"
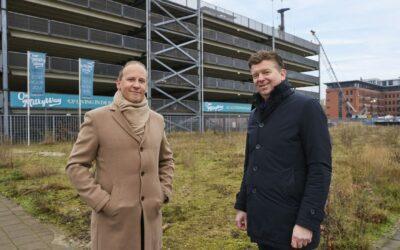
{"x": 361, "y": 37}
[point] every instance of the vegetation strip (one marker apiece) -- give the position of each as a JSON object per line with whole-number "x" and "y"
{"x": 363, "y": 206}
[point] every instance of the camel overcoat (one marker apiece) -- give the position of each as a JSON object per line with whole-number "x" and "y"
{"x": 131, "y": 176}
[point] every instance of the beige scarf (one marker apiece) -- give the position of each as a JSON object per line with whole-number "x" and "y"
{"x": 135, "y": 113}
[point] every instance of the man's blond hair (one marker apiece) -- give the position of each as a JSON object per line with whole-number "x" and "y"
{"x": 133, "y": 62}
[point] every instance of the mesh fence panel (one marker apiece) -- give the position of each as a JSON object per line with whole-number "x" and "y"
{"x": 114, "y": 7}
{"x": 134, "y": 43}
{"x": 38, "y": 24}
{"x": 79, "y": 32}
{"x": 59, "y": 29}
{"x": 114, "y": 39}
{"x": 84, "y": 3}
{"x": 17, "y": 59}
{"x": 98, "y": 36}
{"x": 61, "y": 64}
{"x": 133, "y": 13}
{"x": 100, "y": 5}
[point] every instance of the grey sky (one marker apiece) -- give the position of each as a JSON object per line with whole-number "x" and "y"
{"x": 361, "y": 37}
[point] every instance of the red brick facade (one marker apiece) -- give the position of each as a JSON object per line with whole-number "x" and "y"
{"x": 366, "y": 101}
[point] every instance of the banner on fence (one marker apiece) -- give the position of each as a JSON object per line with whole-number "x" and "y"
{"x": 36, "y": 73}
{"x": 57, "y": 101}
{"x": 86, "y": 70}
{"x": 226, "y": 107}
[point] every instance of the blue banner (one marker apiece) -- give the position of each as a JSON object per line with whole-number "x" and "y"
{"x": 86, "y": 70}
{"x": 57, "y": 101}
{"x": 36, "y": 73}
{"x": 226, "y": 107}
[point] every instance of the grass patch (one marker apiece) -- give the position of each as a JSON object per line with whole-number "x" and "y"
{"x": 364, "y": 201}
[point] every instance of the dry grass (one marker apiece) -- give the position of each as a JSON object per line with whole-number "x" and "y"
{"x": 34, "y": 172}
{"x": 48, "y": 138}
{"x": 6, "y": 156}
{"x": 364, "y": 198}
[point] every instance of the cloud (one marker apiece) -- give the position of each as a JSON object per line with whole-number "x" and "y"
{"x": 342, "y": 41}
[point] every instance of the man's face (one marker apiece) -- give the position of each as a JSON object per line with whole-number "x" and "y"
{"x": 266, "y": 76}
{"x": 133, "y": 84}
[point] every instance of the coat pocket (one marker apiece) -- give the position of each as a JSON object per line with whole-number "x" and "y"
{"x": 110, "y": 208}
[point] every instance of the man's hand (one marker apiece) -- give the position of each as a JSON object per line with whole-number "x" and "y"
{"x": 241, "y": 220}
{"x": 301, "y": 236}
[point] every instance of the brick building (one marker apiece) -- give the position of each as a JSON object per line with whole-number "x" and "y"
{"x": 363, "y": 98}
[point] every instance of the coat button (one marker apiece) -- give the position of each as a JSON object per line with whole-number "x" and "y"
{"x": 255, "y": 168}
{"x": 312, "y": 211}
{"x": 258, "y": 146}
{"x": 142, "y": 173}
{"x": 254, "y": 190}
{"x": 141, "y": 148}
{"x": 261, "y": 124}
{"x": 142, "y": 198}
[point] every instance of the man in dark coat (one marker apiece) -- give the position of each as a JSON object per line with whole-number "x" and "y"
{"x": 287, "y": 169}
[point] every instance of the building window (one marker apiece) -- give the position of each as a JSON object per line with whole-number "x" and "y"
{"x": 351, "y": 92}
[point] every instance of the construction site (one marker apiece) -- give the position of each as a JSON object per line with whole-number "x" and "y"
{"x": 363, "y": 99}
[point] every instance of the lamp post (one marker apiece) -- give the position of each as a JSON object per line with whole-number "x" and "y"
{"x": 4, "y": 55}
{"x": 282, "y": 12}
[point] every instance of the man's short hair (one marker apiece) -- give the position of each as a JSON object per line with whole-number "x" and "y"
{"x": 133, "y": 62}
{"x": 262, "y": 55}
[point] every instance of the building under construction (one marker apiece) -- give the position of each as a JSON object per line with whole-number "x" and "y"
{"x": 196, "y": 53}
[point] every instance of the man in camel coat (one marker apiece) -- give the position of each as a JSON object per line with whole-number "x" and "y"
{"x": 133, "y": 167}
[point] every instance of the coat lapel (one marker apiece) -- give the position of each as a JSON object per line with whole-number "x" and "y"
{"x": 120, "y": 119}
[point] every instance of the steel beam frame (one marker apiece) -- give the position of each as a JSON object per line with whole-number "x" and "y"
{"x": 158, "y": 58}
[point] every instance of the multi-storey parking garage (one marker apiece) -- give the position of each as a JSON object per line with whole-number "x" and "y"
{"x": 195, "y": 52}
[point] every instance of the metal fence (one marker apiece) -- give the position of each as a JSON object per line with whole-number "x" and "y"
{"x": 43, "y": 128}
{"x": 111, "y": 7}
{"x": 60, "y": 128}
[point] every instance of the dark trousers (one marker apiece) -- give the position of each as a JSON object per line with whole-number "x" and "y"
{"x": 266, "y": 247}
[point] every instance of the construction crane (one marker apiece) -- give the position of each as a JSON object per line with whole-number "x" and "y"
{"x": 350, "y": 110}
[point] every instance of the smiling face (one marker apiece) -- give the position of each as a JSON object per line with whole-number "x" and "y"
{"x": 266, "y": 76}
{"x": 133, "y": 83}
